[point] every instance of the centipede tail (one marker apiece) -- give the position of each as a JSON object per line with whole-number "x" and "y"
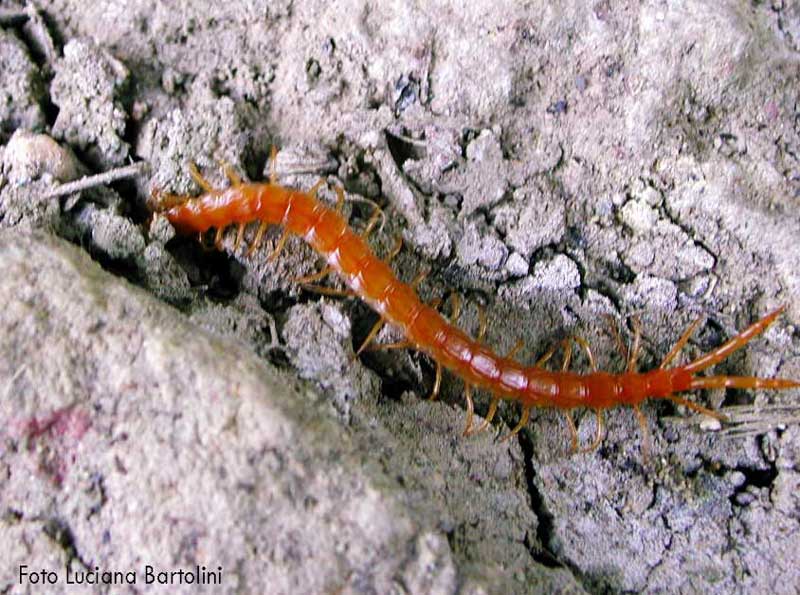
{"x": 425, "y": 329}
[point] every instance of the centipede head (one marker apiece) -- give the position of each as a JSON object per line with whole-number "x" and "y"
{"x": 160, "y": 201}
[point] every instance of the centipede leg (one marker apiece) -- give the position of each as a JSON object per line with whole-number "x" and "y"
{"x": 279, "y": 246}
{"x": 257, "y": 240}
{"x": 489, "y": 416}
{"x": 470, "y": 409}
{"x": 495, "y": 400}
{"x": 239, "y": 237}
{"x": 437, "y": 383}
{"x": 549, "y": 354}
{"x": 394, "y": 346}
{"x": 588, "y": 350}
{"x": 573, "y": 431}
{"x": 273, "y": 160}
{"x": 418, "y": 279}
{"x": 482, "y": 323}
{"x": 681, "y": 343}
{"x": 523, "y": 420}
{"x": 599, "y": 435}
{"x": 696, "y": 407}
{"x": 516, "y": 348}
{"x": 397, "y": 345}
{"x": 376, "y": 328}
{"x": 218, "y": 238}
{"x": 455, "y": 305}
{"x": 339, "y": 198}
{"x": 645, "y": 432}
{"x": 637, "y": 343}
{"x": 230, "y": 173}
{"x": 398, "y": 245}
{"x": 567, "y": 354}
{"x": 373, "y": 221}
{"x": 614, "y": 327}
{"x": 330, "y": 291}
{"x": 314, "y": 277}
{"x": 199, "y": 179}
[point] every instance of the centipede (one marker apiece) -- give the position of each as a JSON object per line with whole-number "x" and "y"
{"x": 424, "y": 328}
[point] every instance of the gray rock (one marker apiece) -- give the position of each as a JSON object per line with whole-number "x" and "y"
{"x": 133, "y": 437}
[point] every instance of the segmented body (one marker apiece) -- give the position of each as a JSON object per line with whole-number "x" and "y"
{"x": 327, "y": 232}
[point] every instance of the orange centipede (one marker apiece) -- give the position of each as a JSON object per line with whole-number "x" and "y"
{"x": 426, "y": 329}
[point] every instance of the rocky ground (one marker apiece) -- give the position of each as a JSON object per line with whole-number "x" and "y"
{"x": 169, "y": 405}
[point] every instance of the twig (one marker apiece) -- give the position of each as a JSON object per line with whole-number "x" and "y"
{"x": 749, "y": 420}
{"x": 97, "y": 180}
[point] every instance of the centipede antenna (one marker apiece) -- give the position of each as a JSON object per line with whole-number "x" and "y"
{"x": 734, "y": 344}
{"x": 744, "y": 382}
{"x": 392, "y": 346}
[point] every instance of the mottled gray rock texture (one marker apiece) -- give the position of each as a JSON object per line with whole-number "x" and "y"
{"x": 568, "y": 166}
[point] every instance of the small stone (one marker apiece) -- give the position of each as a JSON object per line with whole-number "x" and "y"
{"x": 516, "y": 265}
{"x": 29, "y": 156}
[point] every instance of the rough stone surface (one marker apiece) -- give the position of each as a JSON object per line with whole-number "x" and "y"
{"x": 133, "y": 437}
{"x": 20, "y": 87}
{"x": 88, "y": 88}
{"x": 561, "y": 164}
